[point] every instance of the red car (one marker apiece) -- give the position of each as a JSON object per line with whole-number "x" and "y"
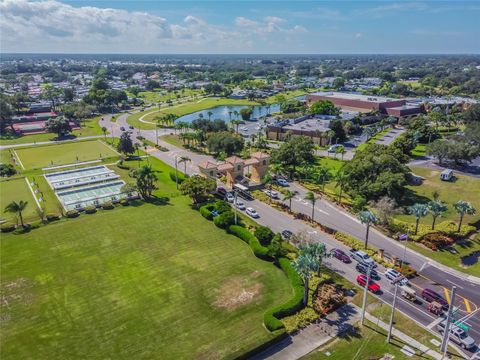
{"x": 340, "y": 255}
{"x": 372, "y": 286}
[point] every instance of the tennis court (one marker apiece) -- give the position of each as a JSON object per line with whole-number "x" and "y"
{"x": 62, "y": 154}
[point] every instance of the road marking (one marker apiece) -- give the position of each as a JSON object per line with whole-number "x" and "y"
{"x": 447, "y": 295}
{"x": 467, "y": 305}
{"x": 434, "y": 323}
{"x": 423, "y": 266}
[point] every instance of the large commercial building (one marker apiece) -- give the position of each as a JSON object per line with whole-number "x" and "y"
{"x": 367, "y": 103}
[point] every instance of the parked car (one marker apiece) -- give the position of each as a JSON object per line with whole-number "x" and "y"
{"x": 447, "y": 175}
{"x": 221, "y": 191}
{"x": 130, "y": 127}
{"x": 282, "y": 182}
{"x": 240, "y": 205}
{"x": 272, "y": 193}
{"x": 122, "y": 128}
{"x": 364, "y": 269}
{"x": 333, "y": 148}
{"x": 229, "y": 197}
{"x": 394, "y": 276}
{"x": 287, "y": 234}
{"x": 457, "y": 335}
{"x": 362, "y": 258}
{"x": 340, "y": 255}
{"x": 252, "y": 212}
{"x": 372, "y": 286}
{"x": 430, "y": 296}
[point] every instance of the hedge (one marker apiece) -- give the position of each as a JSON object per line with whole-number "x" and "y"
{"x": 446, "y": 227}
{"x": 91, "y": 209}
{"x": 52, "y": 217}
{"x": 7, "y": 228}
{"x": 258, "y": 250}
{"x": 181, "y": 177}
{"x": 124, "y": 202}
{"x": 272, "y": 317}
{"x": 206, "y": 211}
{"x": 107, "y": 205}
{"x": 72, "y": 213}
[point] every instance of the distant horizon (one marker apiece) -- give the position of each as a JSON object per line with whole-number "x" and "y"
{"x": 252, "y": 54}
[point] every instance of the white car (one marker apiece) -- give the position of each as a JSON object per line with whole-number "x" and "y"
{"x": 282, "y": 182}
{"x": 229, "y": 197}
{"x": 272, "y": 193}
{"x": 252, "y": 212}
{"x": 394, "y": 276}
{"x": 240, "y": 205}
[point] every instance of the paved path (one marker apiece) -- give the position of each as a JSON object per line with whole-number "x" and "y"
{"x": 390, "y": 136}
{"x": 3, "y": 147}
{"x": 313, "y": 336}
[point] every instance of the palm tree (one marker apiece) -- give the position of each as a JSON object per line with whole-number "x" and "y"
{"x": 330, "y": 134}
{"x": 209, "y": 115}
{"x": 368, "y": 218}
{"x": 17, "y": 208}
{"x": 340, "y": 150}
{"x": 104, "y": 130}
{"x": 184, "y": 159}
{"x": 310, "y": 196}
{"x": 304, "y": 265}
{"x": 236, "y": 123}
{"x": 268, "y": 181}
{"x": 341, "y": 179}
{"x": 288, "y": 196}
{"x": 318, "y": 251}
{"x": 418, "y": 210}
{"x": 436, "y": 208}
{"x": 236, "y": 113}
{"x": 322, "y": 176}
{"x": 463, "y": 207}
{"x": 230, "y": 115}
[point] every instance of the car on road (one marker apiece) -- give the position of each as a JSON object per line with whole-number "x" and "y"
{"x": 372, "y": 286}
{"x": 272, "y": 193}
{"x": 457, "y": 335}
{"x": 364, "y": 269}
{"x": 130, "y": 127}
{"x": 282, "y": 182}
{"x": 229, "y": 197}
{"x": 287, "y": 234}
{"x": 394, "y": 276}
{"x": 430, "y": 296}
{"x": 221, "y": 191}
{"x": 341, "y": 255}
{"x": 240, "y": 205}
{"x": 362, "y": 258}
{"x": 122, "y": 128}
{"x": 333, "y": 148}
{"x": 252, "y": 212}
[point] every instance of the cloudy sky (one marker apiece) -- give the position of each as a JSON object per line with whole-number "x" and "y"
{"x": 244, "y": 26}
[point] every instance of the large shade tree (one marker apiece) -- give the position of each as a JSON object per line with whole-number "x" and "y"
{"x": 197, "y": 188}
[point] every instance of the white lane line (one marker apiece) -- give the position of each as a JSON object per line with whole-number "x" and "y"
{"x": 434, "y": 323}
{"x": 451, "y": 282}
{"x": 409, "y": 304}
{"x": 423, "y": 266}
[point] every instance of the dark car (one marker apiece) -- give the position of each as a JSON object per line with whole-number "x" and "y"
{"x": 221, "y": 191}
{"x": 130, "y": 127}
{"x": 340, "y": 255}
{"x": 287, "y": 234}
{"x": 430, "y": 296}
{"x": 122, "y": 128}
{"x": 363, "y": 269}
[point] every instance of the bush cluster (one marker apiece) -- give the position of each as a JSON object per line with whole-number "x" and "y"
{"x": 224, "y": 220}
{"x": 72, "y": 213}
{"x": 52, "y": 217}
{"x": 181, "y": 177}
{"x": 445, "y": 227}
{"x": 124, "y": 202}
{"x": 91, "y": 209}
{"x": 206, "y": 211}
{"x": 406, "y": 271}
{"x": 264, "y": 235}
{"x": 7, "y": 228}
{"x": 107, "y": 205}
{"x": 437, "y": 241}
{"x": 258, "y": 250}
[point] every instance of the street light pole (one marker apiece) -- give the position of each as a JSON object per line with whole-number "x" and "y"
{"x": 365, "y": 291}
{"x": 176, "y": 173}
{"x": 405, "y": 249}
{"x": 235, "y": 204}
{"x": 156, "y": 133}
{"x": 389, "y": 336}
{"x": 446, "y": 334}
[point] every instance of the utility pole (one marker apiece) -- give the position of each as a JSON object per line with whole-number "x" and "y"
{"x": 405, "y": 249}
{"x": 365, "y": 291}
{"x": 156, "y": 133}
{"x": 389, "y": 336}
{"x": 235, "y": 204}
{"x": 446, "y": 334}
{"x": 176, "y": 172}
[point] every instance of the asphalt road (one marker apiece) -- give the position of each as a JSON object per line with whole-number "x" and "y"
{"x": 432, "y": 274}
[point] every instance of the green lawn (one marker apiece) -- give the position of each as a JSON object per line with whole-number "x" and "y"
{"x": 89, "y": 127}
{"x": 419, "y": 150}
{"x": 16, "y": 190}
{"x": 66, "y": 153}
{"x": 464, "y": 188}
{"x": 164, "y": 95}
{"x": 145, "y": 282}
{"x": 172, "y": 139}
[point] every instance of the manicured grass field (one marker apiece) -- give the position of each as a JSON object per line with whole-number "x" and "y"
{"x": 464, "y": 188}
{"x": 16, "y": 190}
{"x": 163, "y": 95}
{"x": 66, "y": 153}
{"x": 172, "y": 139}
{"x": 89, "y": 127}
{"x": 147, "y": 282}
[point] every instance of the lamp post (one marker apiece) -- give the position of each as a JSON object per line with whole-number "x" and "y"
{"x": 365, "y": 291}
{"x": 176, "y": 172}
{"x": 446, "y": 334}
{"x": 389, "y": 336}
{"x": 235, "y": 204}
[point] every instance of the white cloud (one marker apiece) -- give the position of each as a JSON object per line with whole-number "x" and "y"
{"x": 392, "y": 9}
{"x": 52, "y": 26}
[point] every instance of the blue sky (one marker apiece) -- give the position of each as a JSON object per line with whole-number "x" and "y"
{"x": 321, "y": 27}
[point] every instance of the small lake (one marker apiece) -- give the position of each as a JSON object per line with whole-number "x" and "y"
{"x": 222, "y": 111}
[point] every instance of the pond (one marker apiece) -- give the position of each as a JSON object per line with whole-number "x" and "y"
{"x": 223, "y": 111}
{"x": 471, "y": 259}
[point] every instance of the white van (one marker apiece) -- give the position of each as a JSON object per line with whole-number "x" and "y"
{"x": 446, "y": 175}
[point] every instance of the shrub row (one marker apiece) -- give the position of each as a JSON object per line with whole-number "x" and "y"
{"x": 52, "y": 217}
{"x": 7, "y": 228}
{"x": 72, "y": 214}
{"x": 272, "y": 317}
{"x": 181, "y": 177}
{"x": 206, "y": 211}
{"x": 242, "y": 233}
{"x": 91, "y": 209}
{"x": 446, "y": 227}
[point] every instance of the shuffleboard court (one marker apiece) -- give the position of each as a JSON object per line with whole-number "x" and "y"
{"x": 16, "y": 190}
{"x": 62, "y": 154}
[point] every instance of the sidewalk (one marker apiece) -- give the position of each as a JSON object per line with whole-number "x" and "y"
{"x": 318, "y": 334}
{"x": 3, "y": 147}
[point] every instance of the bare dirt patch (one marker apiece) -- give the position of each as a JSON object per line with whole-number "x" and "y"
{"x": 12, "y": 293}
{"x": 236, "y": 292}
